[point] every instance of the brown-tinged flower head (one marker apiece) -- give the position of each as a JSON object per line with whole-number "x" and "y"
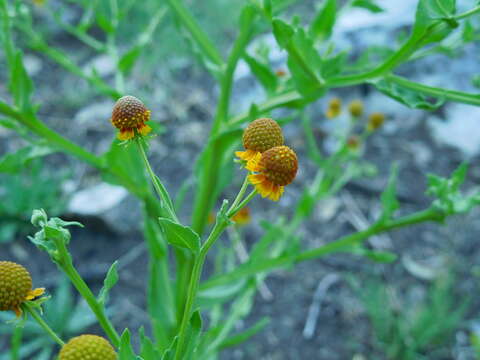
{"x": 129, "y": 115}
{"x": 242, "y": 217}
{"x": 356, "y": 108}
{"x": 259, "y": 136}
{"x": 15, "y": 287}
{"x": 353, "y": 142}
{"x": 375, "y": 121}
{"x": 280, "y": 73}
{"x": 87, "y": 347}
{"x": 274, "y": 169}
{"x": 334, "y": 108}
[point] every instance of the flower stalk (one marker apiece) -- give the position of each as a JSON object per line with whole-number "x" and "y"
{"x": 28, "y": 308}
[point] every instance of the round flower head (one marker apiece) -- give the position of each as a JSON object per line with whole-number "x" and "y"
{"x": 15, "y": 287}
{"x": 259, "y": 136}
{"x": 129, "y": 115}
{"x": 375, "y": 121}
{"x": 274, "y": 169}
{"x": 355, "y": 108}
{"x": 87, "y": 347}
{"x": 334, "y": 108}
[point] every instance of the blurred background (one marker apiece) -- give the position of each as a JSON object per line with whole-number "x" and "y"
{"x": 421, "y": 306}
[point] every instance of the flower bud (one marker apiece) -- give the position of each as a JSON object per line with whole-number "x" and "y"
{"x": 129, "y": 116}
{"x": 87, "y": 347}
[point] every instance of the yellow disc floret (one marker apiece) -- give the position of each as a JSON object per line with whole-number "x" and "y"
{"x": 87, "y": 347}
{"x": 375, "y": 121}
{"x": 15, "y": 287}
{"x": 129, "y": 115}
{"x": 356, "y": 108}
{"x": 274, "y": 169}
{"x": 260, "y": 136}
{"x": 334, "y": 108}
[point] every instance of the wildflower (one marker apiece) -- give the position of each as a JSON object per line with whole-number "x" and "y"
{"x": 356, "y": 108}
{"x": 274, "y": 169}
{"x": 242, "y": 217}
{"x": 334, "y": 108}
{"x": 87, "y": 347}
{"x": 375, "y": 121}
{"x": 280, "y": 73}
{"x": 259, "y": 136}
{"x": 129, "y": 116}
{"x": 353, "y": 142}
{"x": 15, "y": 287}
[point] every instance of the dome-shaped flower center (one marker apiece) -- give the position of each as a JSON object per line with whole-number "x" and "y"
{"x": 262, "y": 134}
{"x": 87, "y": 347}
{"x": 15, "y": 285}
{"x": 279, "y": 165}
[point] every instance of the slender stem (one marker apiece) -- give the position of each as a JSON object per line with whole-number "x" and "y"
{"x": 29, "y": 309}
{"x": 467, "y": 13}
{"x": 64, "y": 261}
{"x": 339, "y": 245}
{"x": 233, "y": 211}
{"x": 16, "y": 343}
{"x": 242, "y": 191}
{"x": 159, "y": 187}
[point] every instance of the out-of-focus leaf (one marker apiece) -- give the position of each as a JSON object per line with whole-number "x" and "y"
{"x": 147, "y": 349}
{"x": 194, "y": 332}
{"x": 128, "y": 59}
{"x": 389, "y": 196}
{"x": 322, "y": 26}
{"x": 180, "y": 236}
{"x": 283, "y": 32}
{"x": 109, "y": 282}
{"x": 125, "y": 351}
{"x": 263, "y": 73}
{"x": 219, "y": 294}
{"x": 406, "y": 96}
{"x": 12, "y": 163}
{"x": 245, "y": 335}
{"x": 368, "y": 4}
{"x": 20, "y": 84}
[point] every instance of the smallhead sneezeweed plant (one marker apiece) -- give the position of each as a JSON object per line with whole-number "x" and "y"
{"x": 179, "y": 299}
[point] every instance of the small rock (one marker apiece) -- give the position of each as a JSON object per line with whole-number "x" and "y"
{"x": 96, "y": 199}
{"x": 103, "y": 65}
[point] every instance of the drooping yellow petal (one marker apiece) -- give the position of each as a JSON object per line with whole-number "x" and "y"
{"x": 276, "y": 192}
{"x": 126, "y": 134}
{"x": 246, "y": 155}
{"x": 256, "y": 179}
{"x": 253, "y": 163}
{"x": 144, "y": 130}
{"x": 32, "y": 294}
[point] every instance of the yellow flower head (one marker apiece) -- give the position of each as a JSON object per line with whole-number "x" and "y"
{"x": 274, "y": 169}
{"x": 259, "y": 136}
{"x": 15, "y": 287}
{"x": 375, "y": 121}
{"x": 87, "y": 347}
{"x": 242, "y": 217}
{"x": 334, "y": 108}
{"x": 129, "y": 115}
{"x": 356, "y": 108}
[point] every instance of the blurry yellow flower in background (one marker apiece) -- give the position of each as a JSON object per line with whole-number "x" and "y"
{"x": 242, "y": 217}
{"x": 334, "y": 108}
{"x": 259, "y": 136}
{"x": 356, "y": 108}
{"x": 274, "y": 169}
{"x": 15, "y": 287}
{"x": 375, "y": 121}
{"x": 129, "y": 116}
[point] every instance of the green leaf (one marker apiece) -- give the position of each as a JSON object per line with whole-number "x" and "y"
{"x": 389, "y": 196}
{"x": 322, "y": 25}
{"x": 406, "y": 96}
{"x": 219, "y": 294}
{"x": 20, "y": 84}
{"x": 147, "y": 349}
{"x": 180, "y": 236}
{"x": 267, "y": 7}
{"x": 109, "y": 282}
{"x": 104, "y": 23}
{"x": 283, "y": 32}
{"x": 12, "y": 163}
{"x": 194, "y": 332}
{"x": 263, "y": 73}
{"x": 367, "y": 4}
{"x": 128, "y": 59}
{"x": 245, "y": 335}
{"x": 125, "y": 351}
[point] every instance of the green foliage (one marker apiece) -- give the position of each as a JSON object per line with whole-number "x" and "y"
{"x": 417, "y": 330}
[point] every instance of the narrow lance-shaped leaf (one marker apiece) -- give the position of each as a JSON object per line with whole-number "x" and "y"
{"x": 322, "y": 26}
{"x": 180, "y": 236}
{"x": 109, "y": 282}
{"x": 389, "y": 196}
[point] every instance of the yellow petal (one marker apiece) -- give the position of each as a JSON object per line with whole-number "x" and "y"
{"x": 126, "y": 134}
{"x": 252, "y": 164}
{"x": 256, "y": 179}
{"x": 144, "y": 130}
{"x": 246, "y": 155}
{"x": 32, "y": 294}
{"x": 276, "y": 192}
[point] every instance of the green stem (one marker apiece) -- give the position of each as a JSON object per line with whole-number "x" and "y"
{"x": 453, "y": 95}
{"x": 157, "y": 184}
{"x": 29, "y": 309}
{"x": 467, "y": 13}
{"x": 218, "y": 229}
{"x": 196, "y": 32}
{"x": 16, "y": 343}
{"x": 208, "y": 181}
{"x": 64, "y": 261}
{"x": 268, "y": 264}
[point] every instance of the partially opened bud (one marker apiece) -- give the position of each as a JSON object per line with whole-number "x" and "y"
{"x": 129, "y": 115}
{"x": 15, "y": 287}
{"x": 259, "y": 136}
{"x": 87, "y": 347}
{"x": 275, "y": 169}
